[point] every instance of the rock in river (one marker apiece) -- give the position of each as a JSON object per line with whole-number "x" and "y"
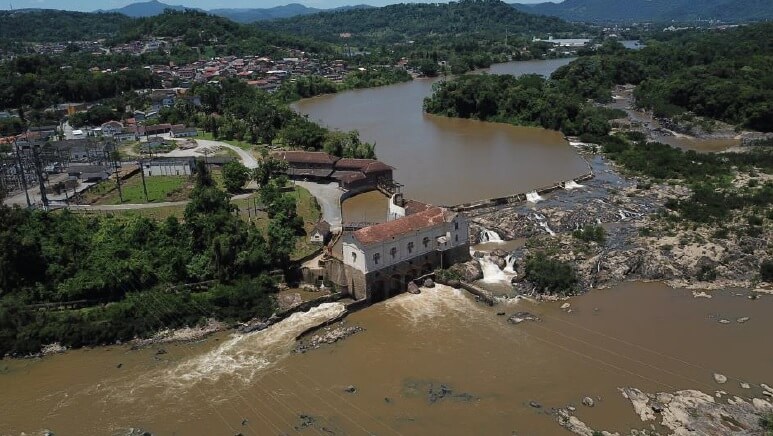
{"x": 520, "y": 317}
{"x": 413, "y": 289}
{"x": 588, "y": 401}
{"x": 429, "y": 283}
{"x": 720, "y": 378}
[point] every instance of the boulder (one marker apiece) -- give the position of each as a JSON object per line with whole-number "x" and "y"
{"x": 720, "y": 378}
{"x": 454, "y": 283}
{"x": 520, "y": 317}
{"x": 588, "y": 401}
{"x": 350, "y": 389}
{"x": 428, "y": 283}
{"x": 413, "y": 289}
{"x": 499, "y": 253}
{"x": 468, "y": 271}
{"x": 479, "y": 255}
{"x": 499, "y": 261}
{"x": 535, "y": 404}
{"x": 565, "y": 306}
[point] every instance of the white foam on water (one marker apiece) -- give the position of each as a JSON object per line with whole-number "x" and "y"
{"x": 533, "y": 197}
{"x": 545, "y": 226}
{"x": 432, "y": 305}
{"x": 242, "y": 356}
{"x": 487, "y": 235}
{"x": 572, "y": 185}
{"x": 492, "y": 273}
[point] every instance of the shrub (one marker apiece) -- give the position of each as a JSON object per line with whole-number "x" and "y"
{"x": 766, "y": 270}
{"x": 550, "y": 275}
{"x": 591, "y": 233}
{"x": 707, "y": 273}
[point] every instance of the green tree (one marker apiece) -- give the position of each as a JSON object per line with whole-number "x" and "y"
{"x": 235, "y": 175}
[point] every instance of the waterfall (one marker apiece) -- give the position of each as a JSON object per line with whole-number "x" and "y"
{"x": 533, "y": 197}
{"x": 510, "y": 267}
{"x": 542, "y": 221}
{"x": 572, "y": 185}
{"x": 487, "y": 235}
{"x": 491, "y": 272}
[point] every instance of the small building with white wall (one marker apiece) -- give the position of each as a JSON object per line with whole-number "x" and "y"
{"x": 181, "y": 166}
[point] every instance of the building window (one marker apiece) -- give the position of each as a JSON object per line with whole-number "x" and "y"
{"x": 354, "y": 257}
{"x": 393, "y": 252}
{"x": 410, "y": 247}
{"x": 425, "y": 241}
{"x": 376, "y": 258}
{"x": 456, "y": 226}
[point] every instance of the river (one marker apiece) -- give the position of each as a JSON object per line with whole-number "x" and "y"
{"x": 642, "y": 335}
{"x": 448, "y": 161}
{"x": 434, "y": 363}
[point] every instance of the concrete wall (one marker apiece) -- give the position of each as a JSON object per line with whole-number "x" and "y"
{"x": 392, "y": 280}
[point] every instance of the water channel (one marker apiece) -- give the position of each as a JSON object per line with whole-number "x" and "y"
{"x": 434, "y": 363}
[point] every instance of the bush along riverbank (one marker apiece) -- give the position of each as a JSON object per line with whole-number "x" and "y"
{"x": 653, "y": 212}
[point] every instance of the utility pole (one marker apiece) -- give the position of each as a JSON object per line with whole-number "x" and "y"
{"x": 39, "y": 172}
{"x": 21, "y": 173}
{"x": 114, "y": 156}
{"x": 144, "y": 187}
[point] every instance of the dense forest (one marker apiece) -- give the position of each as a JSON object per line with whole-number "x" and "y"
{"x": 467, "y": 34}
{"x": 408, "y": 21}
{"x": 664, "y": 11}
{"x": 527, "y": 100}
{"x": 725, "y": 75}
{"x": 43, "y": 25}
{"x": 122, "y": 267}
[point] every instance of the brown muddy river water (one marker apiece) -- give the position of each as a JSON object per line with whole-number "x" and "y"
{"x": 637, "y": 334}
{"x": 449, "y": 161}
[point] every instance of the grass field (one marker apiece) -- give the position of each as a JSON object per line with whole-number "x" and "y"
{"x": 160, "y": 188}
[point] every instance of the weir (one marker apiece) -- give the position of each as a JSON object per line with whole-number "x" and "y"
{"x": 531, "y": 196}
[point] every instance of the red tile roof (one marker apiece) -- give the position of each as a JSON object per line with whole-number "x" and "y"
{"x": 411, "y": 223}
{"x": 365, "y": 165}
{"x": 307, "y": 157}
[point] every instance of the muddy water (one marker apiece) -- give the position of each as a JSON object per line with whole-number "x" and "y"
{"x": 449, "y": 161}
{"x": 638, "y": 334}
{"x": 369, "y": 207}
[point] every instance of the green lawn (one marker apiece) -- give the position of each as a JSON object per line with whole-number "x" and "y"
{"x": 160, "y": 188}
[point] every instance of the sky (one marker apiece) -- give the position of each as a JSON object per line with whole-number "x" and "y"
{"x": 91, "y": 5}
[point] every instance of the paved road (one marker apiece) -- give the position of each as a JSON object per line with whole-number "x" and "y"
{"x": 329, "y": 198}
{"x": 246, "y": 157}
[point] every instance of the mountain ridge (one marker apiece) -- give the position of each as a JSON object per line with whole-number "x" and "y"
{"x": 240, "y": 15}
{"x": 652, "y": 10}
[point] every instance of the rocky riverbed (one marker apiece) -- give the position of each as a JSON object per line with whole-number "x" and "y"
{"x": 640, "y": 243}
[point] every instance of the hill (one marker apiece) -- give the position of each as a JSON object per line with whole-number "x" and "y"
{"x": 396, "y": 23}
{"x": 146, "y": 9}
{"x": 653, "y": 10}
{"x": 46, "y": 25}
{"x": 250, "y": 15}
